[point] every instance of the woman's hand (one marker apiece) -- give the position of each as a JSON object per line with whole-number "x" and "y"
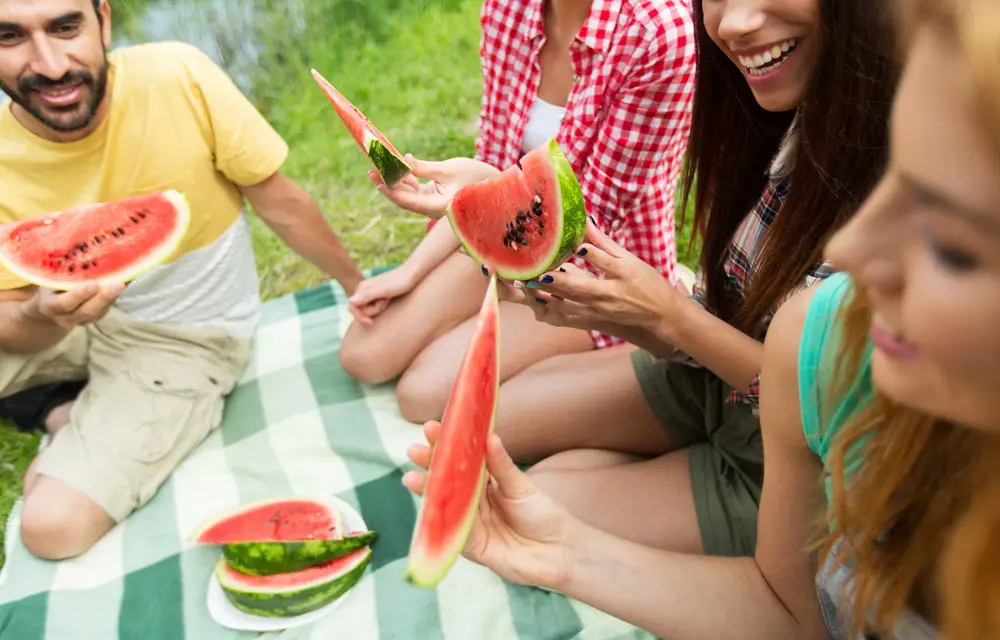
{"x": 374, "y": 294}
{"x": 445, "y": 179}
{"x": 520, "y": 533}
{"x": 632, "y": 300}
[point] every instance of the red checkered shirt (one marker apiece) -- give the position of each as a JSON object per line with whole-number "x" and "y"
{"x": 627, "y": 117}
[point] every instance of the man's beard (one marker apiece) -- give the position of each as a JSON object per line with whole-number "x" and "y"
{"x": 96, "y": 87}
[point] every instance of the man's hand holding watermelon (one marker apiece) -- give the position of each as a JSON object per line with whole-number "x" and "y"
{"x": 34, "y": 318}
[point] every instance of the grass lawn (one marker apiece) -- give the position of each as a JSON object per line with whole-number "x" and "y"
{"x": 411, "y": 66}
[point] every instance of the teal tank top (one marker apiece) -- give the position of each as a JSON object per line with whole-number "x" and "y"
{"x": 818, "y": 349}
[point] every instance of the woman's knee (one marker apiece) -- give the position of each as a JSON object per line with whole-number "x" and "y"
{"x": 366, "y": 358}
{"x": 422, "y": 395}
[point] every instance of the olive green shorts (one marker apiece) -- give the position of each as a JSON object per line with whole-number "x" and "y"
{"x": 724, "y": 446}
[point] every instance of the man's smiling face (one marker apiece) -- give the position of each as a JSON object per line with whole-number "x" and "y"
{"x": 53, "y": 61}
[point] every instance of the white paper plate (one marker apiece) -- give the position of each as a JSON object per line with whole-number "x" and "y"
{"x": 224, "y": 613}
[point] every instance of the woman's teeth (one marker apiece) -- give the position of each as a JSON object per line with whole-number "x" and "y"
{"x": 769, "y": 60}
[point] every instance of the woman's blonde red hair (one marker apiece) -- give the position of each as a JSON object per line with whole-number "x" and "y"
{"x": 921, "y": 508}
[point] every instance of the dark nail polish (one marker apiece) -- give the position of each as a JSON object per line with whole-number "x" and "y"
{"x": 561, "y": 270}
{"x": 593, "y": 219}
{"x": 540, "y": 301}
{"x": 547, "y": 279}
{"x": 486, "y": 272}
{"x": 582, "y": 252}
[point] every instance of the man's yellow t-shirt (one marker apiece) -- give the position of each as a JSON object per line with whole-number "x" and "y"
{"x": 176, "y": 121}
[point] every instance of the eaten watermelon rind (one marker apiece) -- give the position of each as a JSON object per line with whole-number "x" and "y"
{"x": 289, "y": 600}
{"x": 423, "y": 568}
{"x": 572, "y": 223}
{"x": 210, "y": 522}
{"x": 181, "y": 206}
{"x": 272, "y": 558}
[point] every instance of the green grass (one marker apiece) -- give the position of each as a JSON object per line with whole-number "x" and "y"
{"x": 411, "y": 65}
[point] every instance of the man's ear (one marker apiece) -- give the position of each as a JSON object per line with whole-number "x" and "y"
{"x": 104, "y": 11}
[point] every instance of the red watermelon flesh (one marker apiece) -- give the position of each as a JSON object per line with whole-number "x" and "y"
{"x": 382, "y": 154}
{"x": 526, "y": 221}
{"x": 107, "y": 242}
{"x": 273, "y": 520}
{"x": 458, "y": 464}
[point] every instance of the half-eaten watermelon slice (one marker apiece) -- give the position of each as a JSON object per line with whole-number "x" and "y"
{"x": 384, "y": 157}
{"x": 458, "y": 464}
{"x": 526, "y": 221}
{"x": 107, "y": 242}
{"x": 292, "y": 594}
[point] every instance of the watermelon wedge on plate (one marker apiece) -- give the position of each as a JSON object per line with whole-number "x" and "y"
{"x": 279, "y": 601}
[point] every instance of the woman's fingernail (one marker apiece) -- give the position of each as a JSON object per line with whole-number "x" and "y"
{"x": 486, "y": 271}
{"x": 540, "y": 301}
{"x": 532, "y": 284}
{"x": 593, "y": 219}
{"x": 547, "y": 279}
{"x": 562, "y": 270}
{"x": 582, "y": 252}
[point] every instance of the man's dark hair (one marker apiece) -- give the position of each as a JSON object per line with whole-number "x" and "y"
{"x": 97, "y": 10}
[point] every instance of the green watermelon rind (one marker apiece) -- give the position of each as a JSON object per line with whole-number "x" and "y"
{"x": 292, "y": 601}
{"x": 425, "y": 571}
{"x": 386, "y": 160}
{"x": 572, "y": 222}
{"x": 232, "y": 512}
{"x": 389, "y": 165}
{"x": 271, "y": 558}
{"x": 136, "y": 269}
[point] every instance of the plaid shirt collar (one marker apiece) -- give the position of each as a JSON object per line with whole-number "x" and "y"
{"x": 597, "y": 32}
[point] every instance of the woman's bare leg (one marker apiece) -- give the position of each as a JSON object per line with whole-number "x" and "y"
{"x": 424, "y": 388}
{"x": 589, "y": 400}
{"x": 647, "y": 501}
{"x": 450, "y": 294}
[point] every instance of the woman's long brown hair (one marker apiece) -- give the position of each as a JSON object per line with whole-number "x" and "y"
{"x": 842, "y": 151}
{"x": 921, "y": 507}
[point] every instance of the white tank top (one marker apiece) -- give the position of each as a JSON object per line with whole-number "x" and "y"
{"x": 543, "y": 124}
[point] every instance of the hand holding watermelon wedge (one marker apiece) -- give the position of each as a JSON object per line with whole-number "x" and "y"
{"x": 444, "y": 178}
{"x": 78, "y": 306}
{"x": 520, "y": 532}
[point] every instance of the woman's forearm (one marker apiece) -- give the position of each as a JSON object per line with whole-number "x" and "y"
{"x": 726, "y": 351}
{"x": 437, "y": 245}
{"x": 677, "y": 596}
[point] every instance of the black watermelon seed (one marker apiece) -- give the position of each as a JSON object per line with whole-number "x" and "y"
{"x": 540, "y": 232}
{"x": 541, "y": 225}
{"x": 134, "y": 219}
{"x": 93, "y": 263}
{"x": 71, "y": 268}
{"x": 85, "y": 266}
{"x": 121, "y": 231}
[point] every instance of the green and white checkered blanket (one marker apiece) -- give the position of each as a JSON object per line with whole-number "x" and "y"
{"x": 296, "y": 424}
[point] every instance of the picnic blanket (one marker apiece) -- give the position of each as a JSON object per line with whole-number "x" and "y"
{"x": 296, "y": 424}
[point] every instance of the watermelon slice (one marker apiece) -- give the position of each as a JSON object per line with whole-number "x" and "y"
{"x": 271, "y": 558}
{"x": 458, "y": 465}
{"x": 526, "y": 221}
{"x": 292, "y": 594}
{"x": 277, "y": 519}
{"x": 107, "y": 242}
{"x": 384, "y": 157}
